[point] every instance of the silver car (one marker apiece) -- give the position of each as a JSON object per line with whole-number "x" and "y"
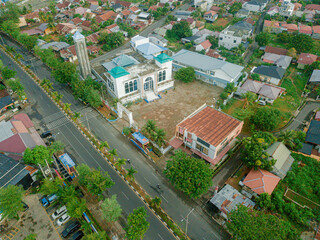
{"x": 59, "y": 212}
{"x": 63, "y": 219}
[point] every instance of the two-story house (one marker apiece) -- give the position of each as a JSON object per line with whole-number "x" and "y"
{"x": 208, "y": 133}
{"x": 255, "y": 5}
{"x": 286, "y": 9}
{"x": 128, "y": 80}
{"x": 210, "y": 16}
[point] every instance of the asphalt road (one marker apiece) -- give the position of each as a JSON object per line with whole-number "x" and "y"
{"x": 175, "y": 204}
{"x": 44, "y": 110}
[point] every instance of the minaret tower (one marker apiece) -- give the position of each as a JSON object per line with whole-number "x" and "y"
{"x": 82, "y": 54}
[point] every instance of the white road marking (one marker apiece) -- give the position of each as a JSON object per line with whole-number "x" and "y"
{"x": 160, "y": 236}
{"x": 125, "y": 195}
{"x": 164, "y": 198}
{"x": 147, "y": 180}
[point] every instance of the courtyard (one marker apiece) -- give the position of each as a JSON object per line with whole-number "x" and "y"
{"x": 175, "y": 105}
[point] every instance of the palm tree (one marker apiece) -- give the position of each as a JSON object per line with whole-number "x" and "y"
{"x": 76, "y": 116}
{"x": 66, "y": 107}
{"x": 104, "y": 145}
{"x": 44, "y": 82}
{"x": 120, "y": 162}
{"x": 49, "y": 85}
{"x": 113, "y": 153}
{"x": 18, "y": 57}
{"x": 42, "y": 16}
{"x": 130, "y": 174}
{"x": 159, "y": 137}
{"x": 249, "y": 98}
{"x": 150, "y": 127}
{"x": 287, "y": 138}
{"x": 156, "y": 202}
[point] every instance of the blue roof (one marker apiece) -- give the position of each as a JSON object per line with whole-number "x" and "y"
{"x": 5, "y": 101}
{"x": 163, "y": 58}
{"x": 142, "y": 139}
{"x": 66, "y": 160}
{"x": 147, "y": 49}
{"x": 118, "y": 72}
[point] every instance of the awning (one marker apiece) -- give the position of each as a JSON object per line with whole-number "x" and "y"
{"x": 139, "y": 137}
{"x": 66, "y": 160}
{"x": 176, "y": 143}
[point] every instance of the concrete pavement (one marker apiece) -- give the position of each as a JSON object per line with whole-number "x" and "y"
{"x": 176, "y": 205}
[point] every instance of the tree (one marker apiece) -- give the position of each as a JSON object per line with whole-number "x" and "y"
{"x": 179, "y": 30}
{"x": 266, "y": 118}
{"x": 57, "y": 146}
{"x": 292, "y": 139}
{"x": 38, "y": 155}
{"x": 185, "y": 74}
{"x": 52, "y": 7}
{"x": 28, "y": 41}
{"x": 10, "y": 27}
{"x": 263, "y": 38}
{"x": 76, "y": 116}
{"x": 67, "y": 193}
{"x": 11, "y": 201}
{"x": 248, "y": 224}
{"x": 264, "y": 201}
{"x": 156, "y": 202}
{"x": 51, "y": 186}
{"x": 249, "y": 98}
{"x": 66, "y": 107}
{"x": 309, "y": 68}
{"x": 159, "y": 137}
{"x": 93, "y": 98}
{"x": 9, "y": 11}
{"x": 191, "y": 175}
{"x": 76, "y": 207}
{"x": 104, "y": 145}
{"x": 235, "y": 7}
{"x": 96, "y": 236}
{"x": 65, "y": 72}
{"x": 301, "y": 42}
{"x": 120, "y": 162}
{"x": 130, "y": 174}
{"x": 111, "y": 209}
{"x": 268, "y": 138}
{"x": 32, "y": 236}
{"x": 7, "y": 73}
{"x": 255, "y": 76}
{"x": 292, "y": 52}
{"x": 95, "y": 181}
{"x": 15, "y": 85}
{"x": 137, "y": 224}
{"x": 254, "y": 154}
{"x": 112, "y": 153}
{"x": 59, "y": 97}
{"x": 111, "y": 40}
{"x": 230, "y": 88}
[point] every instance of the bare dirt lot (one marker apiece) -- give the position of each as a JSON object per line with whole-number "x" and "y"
{"x": 175, "y": 105}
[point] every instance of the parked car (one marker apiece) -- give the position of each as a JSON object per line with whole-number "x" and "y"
{"x": 46, "y": 201}
{"x": 63, "y": 219}
{"x": 46, "y": 134}
{"x": 77, "y": 236}
{"x": 70, "y": 228}
{"x": 59, "y": 212}
{"x": 242, "y": 179}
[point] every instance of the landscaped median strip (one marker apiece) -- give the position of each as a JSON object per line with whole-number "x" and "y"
{"x": 159, "y": 212}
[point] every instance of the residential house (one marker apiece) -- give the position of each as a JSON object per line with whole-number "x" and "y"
{"x": 32, "y": 32}
{"x": 276, "y": 50}
{"x": 69, "y": 54}
{"x": 55, "y": 46}
{"x": 228, "y": 199}
{"x": 125, "y": 14}
{"x": 158, "y": 40}
{"x": 271, "y": 74}
{"x": 290, "y": 27}
{"x": 315, "y": 77}
{"x": 266, "y": 92}
{"x": 316, "y": 32}
{"x": 297, "y": 6}
{"x": 215, "y": 8}
{"x": 93, "y": 49}
{"x": 67, "y": 28}
{"x": 17, "y": 134}
{"x": 213, "y": 53}
{"x": 306, "y": 59}
{"x": 143, "y": 16}
{"x": 145, "y": 47}
{"x": 75, "y": 21}
{"x": 94, "y": 8}
{"x": 81, "y": 11}
{"x": 128, "y": 79}
{"x": 273, "y": 11}
{"x": 13, "y": 172}
{"x": 255, "y": 5}
{"x": 86, "y": 25}
{"x": 113, "y": 28}
{"x": 286, "y": 9}
{"x": 208, "y": 69}
{"x": 208, "y": 133}
{"x": 313, "y": 7}
{"x": 305, "y": 29}
{"x": 210, "y": 16}
{"x": 313, "y": 134}
{"x": 243, "y": 13}
{"x": 273, "y": 26}
{"x": 182, "y": 15}
{"x": 5, "y": 100}
{"x": 284, "y": 160}
{"x": 109, "y": 15}
{"x": 124, "y": 4}
{"x": 160, "y": 31}
{"x": 116, "y": 7}
{"x": 234, "y": 35}
{"x": 63, "y": 6}
{"x": 278, "y": 60}
{"x": 261, "y": 181}
{"x": 204, "y": 46}
{"x": 135, "y": 9}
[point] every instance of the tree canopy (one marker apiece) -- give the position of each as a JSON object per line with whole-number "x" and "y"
{"x": 263, "y": 38}
{"x": 111, "y": 40}
{"x": 190, "y": 175}
{"x": 251, "y": 224}
{"x": 76, "y": 207}
{"x": 38, "y": 155}
{"x": 65, "y": 72}
{"x": 179, "y": 30}
{"x": 111, "y": 209}
{"x": 266, "y": 118}
{"x": 235, "y": 7}
{"x": 11, "y": 200}
{"x": 137, "y": 224}
{"x": 185, "y": 74}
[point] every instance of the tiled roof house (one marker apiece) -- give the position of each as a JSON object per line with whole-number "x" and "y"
{"x": 306, "y": 59}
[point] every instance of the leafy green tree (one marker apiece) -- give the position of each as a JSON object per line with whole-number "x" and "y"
{"x": 7, "y": 73}
{"x": 137, "y": 224}
{"x": 130, "y": 173}
{"x": 263, "y": 38}
{"x": 249, "y": 98}
{"x": 268, "y": 138}
{"x": 11, "y": 201}
{"x": 179, "y": 30}
{"x": 51, "y": 186}
{"x": 159, "y": 137}
{"x": 38, "y": 155}
{"x": 9, "y": 12}
{"x": 66, "y": 107}
{"x": 28, "y": 41}
{"x": 126, "y": 131}
{"x": 301, "y": 42}
{"x": 254, "y": 154}
{"x": 52, "y": 7}
{"x": 93, "y": 98}
{"x": 104, "y": 145}
{"x": 76, "y": 207}
{"x": 235, "y": 7}
{"x": 264, "y": 201}
{"x": 67, "y": 193}
{"x": 120, "y": 162}
{"x": 10, "y": 27}
{"x": 96, "y": 236}
{"x": 292, "y": 52}
{"x": 112, "y": 153}
{"x": 185, "y": 74}
{"x": 156, "y": 202}
{"x": 32, "y": 236}
{"x": 94, "y": 180}
{"x": 309, "y": 68}
{"x": 65, "y": 72}
{"x": 266, "y": 118}
{"x": 292, "y": 139}
{"x": 111, "y": 209}
{"x": 57, "y": 146}
{"x": 191, "y": 175}
{"x": 111, "y": 40}
{"x": 76, "y": 116}
{"x": 251, "y": 224}
{"x": 230, "y": 88}
{"x": 255, "y": 76}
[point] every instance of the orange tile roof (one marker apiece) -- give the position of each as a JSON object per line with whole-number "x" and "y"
{"x": 307, "y": 58}
{"x": 19, "y": 126}
{"x": 126, "y": 12}
{"x": 76, "y": 20}
{"x": 305, "y": 29}
{"x": 206, "y": 44}
{"x": 134, "y": 8}
{"x": 210, "y": 125}
{"x": 290, "y": 27}
{"x": 316, "y": 29}
{"x": 275, "y": 50}
{"x": 261, "y": 181}
{"x": 215, "y": 8}
{"x": 210, "y": 12}
{"x": 313, "y": 7}
{"x": 108, "y": 15}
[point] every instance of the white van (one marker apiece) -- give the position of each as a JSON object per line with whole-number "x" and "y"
{"x": 59, "y": 212}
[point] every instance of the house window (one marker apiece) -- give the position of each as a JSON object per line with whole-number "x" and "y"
{"x": 131, "y": 86}
{"x": 234, "y": 41}
{"x": 110, "y": 85}
{"x": 203, "y": 142}
{"x": 202, "y": 149}
{"x": 221, "y": 38}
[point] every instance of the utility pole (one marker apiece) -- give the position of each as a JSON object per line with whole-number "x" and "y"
{"x": 187, "y": 221}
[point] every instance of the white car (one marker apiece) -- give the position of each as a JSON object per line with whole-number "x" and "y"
{"x": 59, "y": 212}
{"x": 63, "y": 219}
